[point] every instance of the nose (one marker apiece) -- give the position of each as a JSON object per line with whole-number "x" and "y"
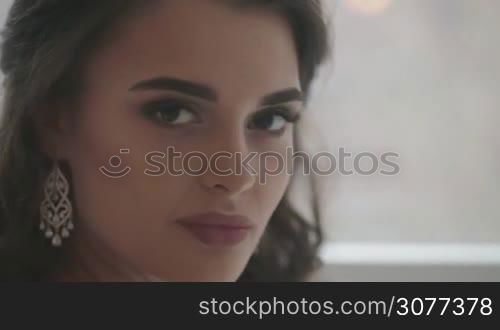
{"x": 226, "y": 173}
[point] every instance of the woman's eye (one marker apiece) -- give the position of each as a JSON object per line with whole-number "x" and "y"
{"x": 170, "y": 113}
{"x": 273, "y": 121}
{"x": 175, "y": 116}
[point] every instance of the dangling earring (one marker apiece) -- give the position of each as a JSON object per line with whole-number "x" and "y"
{"x": 55, "y": 210}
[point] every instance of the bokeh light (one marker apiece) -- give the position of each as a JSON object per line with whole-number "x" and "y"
{"x": 368, "y": 7}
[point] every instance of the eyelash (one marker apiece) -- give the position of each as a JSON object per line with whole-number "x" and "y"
{"x": 289, "y": 115}
{"x": 151, "y": 109}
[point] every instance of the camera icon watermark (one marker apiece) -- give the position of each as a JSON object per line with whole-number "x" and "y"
{"x": 115, "y": 162}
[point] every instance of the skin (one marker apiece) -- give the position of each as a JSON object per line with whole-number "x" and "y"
{"x": 125, "y": 229}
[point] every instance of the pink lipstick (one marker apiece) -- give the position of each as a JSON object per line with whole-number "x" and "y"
{"x": 217, "y": 229}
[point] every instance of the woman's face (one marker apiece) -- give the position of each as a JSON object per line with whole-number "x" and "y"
{"x": 187, "y": 75}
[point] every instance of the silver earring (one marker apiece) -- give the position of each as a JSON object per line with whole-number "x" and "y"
{"x": 56, "y": 210}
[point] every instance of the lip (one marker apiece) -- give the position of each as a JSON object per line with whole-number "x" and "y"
{"x": 217, "y": 229}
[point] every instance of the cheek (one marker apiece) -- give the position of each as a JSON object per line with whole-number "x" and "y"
{"x": 273, "y": 189}
{"x": 111, "y": 206}
{"x": 273, "y": 162}
{"x": 267, "y": 198}
{"x": 274, "y": 175}
{"x": 129, "y": 214}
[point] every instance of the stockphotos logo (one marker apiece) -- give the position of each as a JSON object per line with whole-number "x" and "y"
{"x": 261, "y": 164}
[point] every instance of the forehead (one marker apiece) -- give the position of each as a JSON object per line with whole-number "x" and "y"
{"x": 237, "y": 51}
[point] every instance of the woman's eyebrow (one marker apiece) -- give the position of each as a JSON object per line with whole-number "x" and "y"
{"x": 178, "y": 85}
{"x": 284, "y": 96}
{"x": 208, "y": 93}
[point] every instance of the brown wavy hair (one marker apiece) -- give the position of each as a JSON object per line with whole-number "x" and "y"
{"x": 45, "y": 44}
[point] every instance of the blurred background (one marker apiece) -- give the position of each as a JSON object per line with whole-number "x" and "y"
{"x": 420, "y": 78}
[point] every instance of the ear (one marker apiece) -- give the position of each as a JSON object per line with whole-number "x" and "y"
{"x": 52, "y": 128}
